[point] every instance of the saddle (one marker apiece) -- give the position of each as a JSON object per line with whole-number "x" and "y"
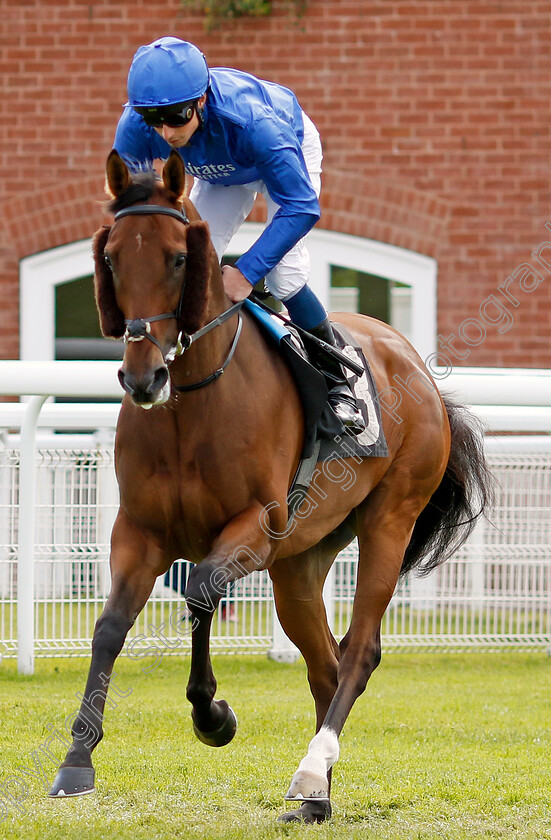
{"x": 324, "y": 437}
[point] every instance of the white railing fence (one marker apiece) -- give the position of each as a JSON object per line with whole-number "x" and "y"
{"x": 58, "y": 500}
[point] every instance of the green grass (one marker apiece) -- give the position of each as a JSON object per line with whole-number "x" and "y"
{"x": 440, "y": 746}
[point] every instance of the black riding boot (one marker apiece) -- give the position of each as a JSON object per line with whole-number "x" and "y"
{"x": 341, "y": 398}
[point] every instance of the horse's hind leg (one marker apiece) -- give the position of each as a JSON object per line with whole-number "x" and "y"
{"x": 132, "y": 582}
{"x": 384, "y": 525}
{"x": 298, "y": 587}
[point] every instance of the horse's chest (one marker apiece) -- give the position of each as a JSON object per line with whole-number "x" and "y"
{"x": 170, "y": 500}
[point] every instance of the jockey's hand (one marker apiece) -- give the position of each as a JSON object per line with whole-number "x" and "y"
{"x": 236, "y": 286}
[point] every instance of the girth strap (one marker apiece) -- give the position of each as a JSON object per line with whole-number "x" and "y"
{"x": 301, "y": 482}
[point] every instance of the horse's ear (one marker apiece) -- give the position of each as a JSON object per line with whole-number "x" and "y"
{"x": 110, "y": 316}
{"x": 201, "y": 260}
{"x": 117, "y": 176}
{"x": 174, "y": 175}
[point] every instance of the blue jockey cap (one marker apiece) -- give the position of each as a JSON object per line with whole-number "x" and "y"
{"x": 166, "y": 72}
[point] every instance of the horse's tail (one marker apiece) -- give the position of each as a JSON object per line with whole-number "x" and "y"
{"x": 463, "y": 495}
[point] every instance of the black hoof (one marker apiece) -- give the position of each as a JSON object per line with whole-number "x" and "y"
{"x": 221, "y": 736}
{"x": 316, "y": 811}
{"x": 73, "y": 781}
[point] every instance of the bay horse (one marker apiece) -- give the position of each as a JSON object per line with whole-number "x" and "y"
{"x": 204, "y": 475}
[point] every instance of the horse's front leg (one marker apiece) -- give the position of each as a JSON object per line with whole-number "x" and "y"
{"x": 133, "y": 576}
{"x": 241, "y": 548}
{"x": 214, "y": 721}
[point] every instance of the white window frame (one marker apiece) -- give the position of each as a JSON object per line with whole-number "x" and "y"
{"x": 40, "y": 274}
{"x": 328, "y": 248}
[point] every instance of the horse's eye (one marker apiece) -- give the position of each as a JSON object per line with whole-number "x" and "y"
{"x": 107, "y": 260}
{"x": 180, "y": 260}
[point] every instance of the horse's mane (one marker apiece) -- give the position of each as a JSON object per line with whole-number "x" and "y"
{"x": 142, "y": 188}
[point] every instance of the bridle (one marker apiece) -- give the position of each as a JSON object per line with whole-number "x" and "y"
{"x": 139, "y": 328}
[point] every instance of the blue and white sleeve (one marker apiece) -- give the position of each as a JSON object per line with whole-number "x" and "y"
{"x": 277, "y": 155}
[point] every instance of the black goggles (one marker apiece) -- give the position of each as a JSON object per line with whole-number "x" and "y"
{"x": 172, "y": 115}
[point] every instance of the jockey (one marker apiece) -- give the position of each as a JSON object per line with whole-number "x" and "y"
{"x": 238, "y": 136}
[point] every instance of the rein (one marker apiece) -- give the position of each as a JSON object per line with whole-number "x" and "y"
{"x": 189, "y": 339}
{"x": 139, "y": 328}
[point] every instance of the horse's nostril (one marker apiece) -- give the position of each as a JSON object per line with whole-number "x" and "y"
{"x": 126, "y": 381}
{"x": 160, "y": 379}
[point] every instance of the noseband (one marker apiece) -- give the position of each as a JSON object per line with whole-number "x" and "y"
{"x": 139, "y": 328}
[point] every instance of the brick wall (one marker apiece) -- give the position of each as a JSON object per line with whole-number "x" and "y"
{"x": 435, "y": 118}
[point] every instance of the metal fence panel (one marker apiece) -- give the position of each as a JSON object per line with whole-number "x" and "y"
{"x": 495, "y": 592}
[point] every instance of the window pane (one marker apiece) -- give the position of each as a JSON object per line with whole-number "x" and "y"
{"x": 368, "y": 294}
{"x": 78, "y": 333}
{"x": 75, "y": 310}
{"x": 356, "y": 291}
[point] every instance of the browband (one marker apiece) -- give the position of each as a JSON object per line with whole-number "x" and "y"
{"x": 156, "y": 209}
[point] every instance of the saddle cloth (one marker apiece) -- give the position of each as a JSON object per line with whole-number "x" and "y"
{"x": 371, "y": 443}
